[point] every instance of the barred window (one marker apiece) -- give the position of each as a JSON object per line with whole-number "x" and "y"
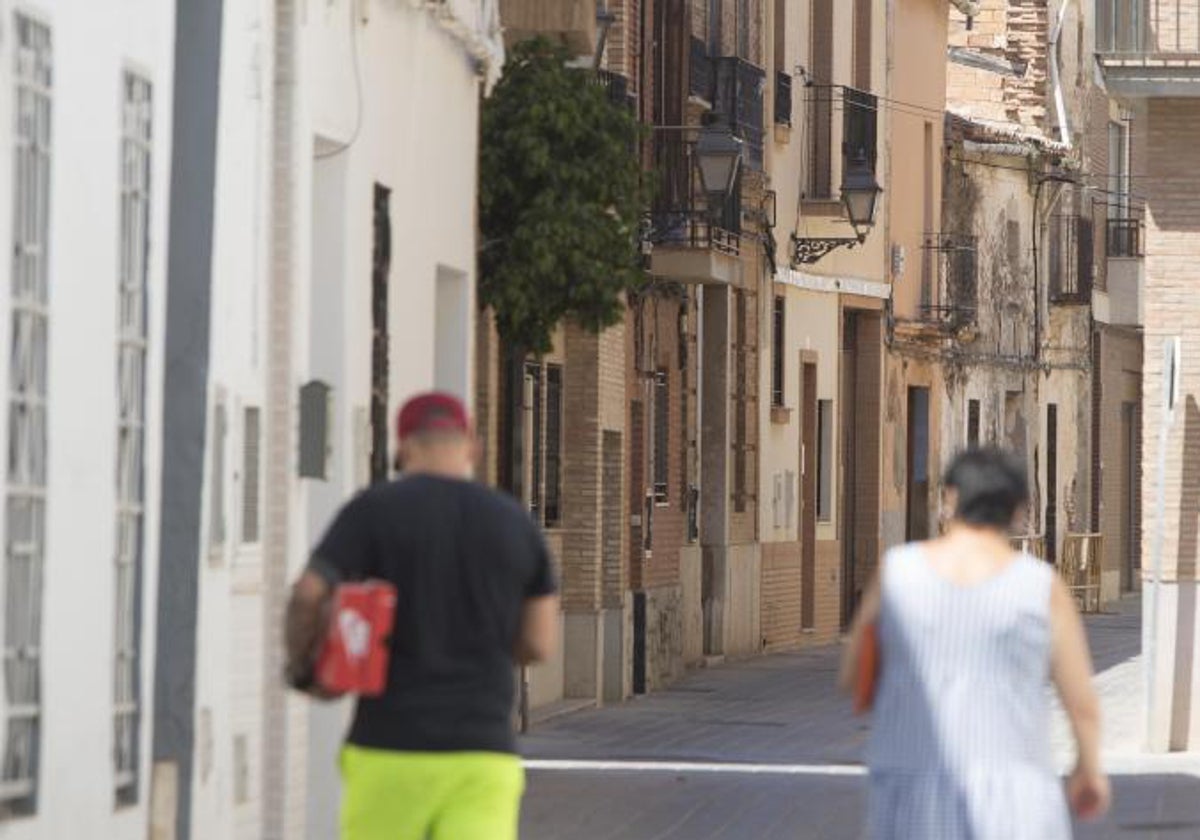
{"x": 251, "y": 447}
{"x": 662, "y": 436}
{"x": 25, "y": 508}
{"x": 131, "y": 422}
{"x": 216, "y": 521}
{"x": 553, "y": 459}
{"x": 777, "y": 351}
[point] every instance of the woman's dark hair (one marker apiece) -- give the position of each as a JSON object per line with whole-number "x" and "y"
{"x": 991, "y": 485}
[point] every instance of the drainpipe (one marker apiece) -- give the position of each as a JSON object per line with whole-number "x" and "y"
{"x": 277, "y": 708}
{"x": 1060, "y": 105}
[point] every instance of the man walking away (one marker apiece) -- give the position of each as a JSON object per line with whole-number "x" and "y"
{"x": 434, "y": 755}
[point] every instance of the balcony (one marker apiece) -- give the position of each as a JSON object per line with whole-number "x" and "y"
{"x": 1149, "y": 48}
{"x": 1071, "y": 256}
{"x": 738, "y": 103}
{"x": 571, "y": 21}
{"x": 734, "y": 88}
{"x": 856, "y": 133}
{"x": 1124, "y": 238}
{"x": 949, "y": 280}
{"x": 617, "y": 88}
{"x": 692, "y": 240}
{"x": 1120, "y": 302}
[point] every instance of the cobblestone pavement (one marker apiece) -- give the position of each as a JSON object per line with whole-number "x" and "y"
{"x": 766, "y": 748}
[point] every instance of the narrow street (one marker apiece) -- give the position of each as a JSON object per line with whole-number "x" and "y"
{"x": 768, "y": 749}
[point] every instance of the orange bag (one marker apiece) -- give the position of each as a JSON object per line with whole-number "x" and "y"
{"x": 868, "y": 670}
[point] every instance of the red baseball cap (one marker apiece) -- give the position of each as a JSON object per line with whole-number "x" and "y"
{"x": 432, "y": 412}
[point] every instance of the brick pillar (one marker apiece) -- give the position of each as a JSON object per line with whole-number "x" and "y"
{"x": 714, "y": 462}
{"x": 1172, "y": 310}
{"x": 594, "y": 571}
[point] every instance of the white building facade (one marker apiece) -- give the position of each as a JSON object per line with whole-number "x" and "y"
{"x": 342, "y": 282}
{"x": 85, "y": 145}
{"x": 213, "y": 310}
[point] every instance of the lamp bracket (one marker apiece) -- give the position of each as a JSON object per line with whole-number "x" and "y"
{"x": 806, "y": 251}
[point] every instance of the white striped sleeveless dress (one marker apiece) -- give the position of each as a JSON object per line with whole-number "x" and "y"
{"x": 960, "y": 742}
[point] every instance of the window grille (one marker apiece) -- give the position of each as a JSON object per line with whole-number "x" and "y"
{"x": 662, "y": 435}
{"x": 553, "y": 460}
{"x": 251, "y": 447}
{"x": 25, "y": 510}
{"x": 216, "y": 522}
{"x": 131, "y": 423}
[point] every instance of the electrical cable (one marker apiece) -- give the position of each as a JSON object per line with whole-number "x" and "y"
{"x": 358, "y": 90}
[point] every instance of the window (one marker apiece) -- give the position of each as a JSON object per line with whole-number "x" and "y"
{"x": 554, "y": 410}
{"x": 662, "y": 436}
{"x": 381, "y": 264}
{"x": 533, "y": 422}
{"x": 820, "y": 96}
{"x": 1118, "y": 167}
{"x": 131, "y": 424}
{"x": 824, "y": 460}
{"x": 862, "y": 44}
{"x": 25, "y": 503}
{"x": 972, "y": 423}
{"x": 740, "y": 444}
{"x": 777, "y": 349}
{"x": 216, "y": 522}
{"x": 251, "y": 446}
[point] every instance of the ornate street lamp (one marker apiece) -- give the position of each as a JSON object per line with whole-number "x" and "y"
{"x": 719, "y": 156}
{"x": 860, "y": 197}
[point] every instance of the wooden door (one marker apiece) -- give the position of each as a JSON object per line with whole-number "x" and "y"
{"x": 808, "y": 495}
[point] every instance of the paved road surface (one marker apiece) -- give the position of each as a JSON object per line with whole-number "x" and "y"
{"x": 767, "y": 749}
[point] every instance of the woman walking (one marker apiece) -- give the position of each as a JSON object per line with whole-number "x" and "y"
{"x": 968, "y": 634}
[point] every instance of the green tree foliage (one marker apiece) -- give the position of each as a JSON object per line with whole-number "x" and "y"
{"x": 560, "y": 199}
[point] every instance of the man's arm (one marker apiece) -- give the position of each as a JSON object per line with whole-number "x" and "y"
{"x": 307, "y": 614}
{"x": 537, "y": 637}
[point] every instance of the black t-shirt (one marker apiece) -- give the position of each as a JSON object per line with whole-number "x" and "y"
{"x": 463, "y": 559}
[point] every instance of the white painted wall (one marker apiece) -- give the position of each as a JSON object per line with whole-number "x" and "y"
{"x": 93, "y": 44}
{"x": 411, "y": 125}
{"x": 230, "y": 644}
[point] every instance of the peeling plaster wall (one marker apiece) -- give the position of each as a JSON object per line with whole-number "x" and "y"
{"x": 993, "y": 361}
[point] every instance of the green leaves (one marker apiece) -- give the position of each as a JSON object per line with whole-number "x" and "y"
{"x": 560, "y": 198}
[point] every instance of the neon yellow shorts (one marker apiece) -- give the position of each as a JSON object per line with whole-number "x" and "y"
{"x": 430, "y": 796}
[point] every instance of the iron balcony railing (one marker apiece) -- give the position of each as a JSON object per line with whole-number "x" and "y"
{"x": 735, "y": 88}
{"x": 783, "y": 98}
{"x": 1124, "y": 238}
{"x": 616, "y": 86}
{"x": 859, "y": 124}
{"x": 1070, "y": 251}
{"x": 682, "y": 215}
{"x": 738, "y": 103}
{"x": 950, "y": 278}
{"x": 1149, "y": 29}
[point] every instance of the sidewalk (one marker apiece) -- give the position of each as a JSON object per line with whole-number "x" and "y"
{"x": 766, "y": 748}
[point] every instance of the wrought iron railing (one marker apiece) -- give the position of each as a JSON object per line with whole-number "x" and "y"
{"x": 949, "y": 287}
{"x": 1071, "y": 256}
{"x": 616, "y": 86}
{"x": 682, "y": 214}
{"x": 1124, "y": 237}
{"x": 783, "y": 98}
{"x": 738, "y": 103}
{"x": 1153, "y": 29}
